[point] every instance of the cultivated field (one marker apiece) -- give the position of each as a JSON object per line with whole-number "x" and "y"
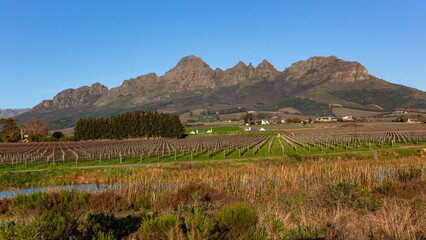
{"x": 231, "y": 147}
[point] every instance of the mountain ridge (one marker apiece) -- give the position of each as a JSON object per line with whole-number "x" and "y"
{"x": 192, "y": 84}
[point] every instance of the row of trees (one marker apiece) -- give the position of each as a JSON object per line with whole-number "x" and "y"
{"x": 130, "y": 125}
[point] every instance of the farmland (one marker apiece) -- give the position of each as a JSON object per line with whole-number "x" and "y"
{"x": 169, "y": 150}
{"x": 290, "y": 182}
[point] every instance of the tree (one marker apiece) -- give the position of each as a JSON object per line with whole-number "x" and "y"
{"x": 22, "y": 128}
{"x": 35, "y": 126}
{"x": 58, "y": 135}
{"x": 8, "y": 128}
{"x": 249, "y": 118}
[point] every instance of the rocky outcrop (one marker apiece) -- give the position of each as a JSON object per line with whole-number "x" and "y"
{"x": 144, "y": 84}
{"x": 73, "y": 98}
{"x": 266, "y": 71}
{"x": 190, "y": 73}
{"x": 318, "y": 69}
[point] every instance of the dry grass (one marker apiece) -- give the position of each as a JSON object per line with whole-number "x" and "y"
{"x": 292, "y": 199}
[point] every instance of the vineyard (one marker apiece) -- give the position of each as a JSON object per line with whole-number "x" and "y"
{"x": 169, "y": 150}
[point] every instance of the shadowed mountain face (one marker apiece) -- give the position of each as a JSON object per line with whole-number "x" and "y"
{"x": 192, "y": 84}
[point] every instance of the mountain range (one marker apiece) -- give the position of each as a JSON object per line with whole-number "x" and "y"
{"x": 8, "y": 113}
{"x": 311, "y": 86}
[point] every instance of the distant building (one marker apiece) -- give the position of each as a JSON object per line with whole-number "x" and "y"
{"x": 192, "y": 132}
{"x": 347, "y": 118}
{"x": 262, "y": 129}
{"x": 413, "y": 120}
{"x": 201, "y": 131}
{"x": 335, "y": 105}
{"x": 250, "y": 129}
{"x": 264, "y": 122}
{"x": 327, "y": 119}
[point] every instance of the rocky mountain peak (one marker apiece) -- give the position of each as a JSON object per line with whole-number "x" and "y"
{"x": 191, "y": 61}
{"x": 266, "y": 70}
{"x": 191, "y": 72}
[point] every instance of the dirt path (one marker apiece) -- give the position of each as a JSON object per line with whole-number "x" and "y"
{"x": 209, "y": 161}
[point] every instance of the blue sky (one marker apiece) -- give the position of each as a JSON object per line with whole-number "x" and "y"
{"x": 48, "y": 46}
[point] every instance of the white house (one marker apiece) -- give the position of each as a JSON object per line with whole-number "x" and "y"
{"x": 327, "y": 119}
{"x": 262, "y": 129}
{"x": 192, "y": 132}
{"x": 347, "y": 118}
{"x": 264, "y": 122}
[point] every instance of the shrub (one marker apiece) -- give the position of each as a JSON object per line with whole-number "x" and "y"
{"x": 234, "y": 222}
{"x": 190, "y": 194}
{"x": 58, "y": 135}
{"x": 96, "y": 224}
{"x": 35, "y": 138}
{"x": 156, "y": 227}
{"x": 300, "y": 232}
{"x": 104, "y": 236}
{"x": 143, "y": 201}
{"x": 346, "y": 194}
{"x": 12, "y": 231}
{"x": 4, "y": 205}
{"x": 194, "y": 223}
{"x": 108, "y": 202}
{"x": 55, "y": 225}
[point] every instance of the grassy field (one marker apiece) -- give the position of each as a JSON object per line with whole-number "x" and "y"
{"x": 218, "y": 129}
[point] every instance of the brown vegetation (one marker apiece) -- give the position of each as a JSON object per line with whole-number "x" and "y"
{"x": 194, "y": 192}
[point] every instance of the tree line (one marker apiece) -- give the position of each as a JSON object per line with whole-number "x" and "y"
{"x": 130, "y": 125}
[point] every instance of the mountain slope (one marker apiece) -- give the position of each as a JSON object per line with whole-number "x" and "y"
{"x": 192, "y": 84}
{"x": 8, "y": 113}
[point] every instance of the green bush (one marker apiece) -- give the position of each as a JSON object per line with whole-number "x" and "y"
{"x": 234, "y": 222}
{"x": 51, "y": 225}
{"x": 54, "y": 225}
{"x": 58, "y": 135}
{"x": 142, "y": 202}
{"x": 35, "y": 138}
{"x": 195, "y": 222}
{"x": 119, "y": 228}
{"x": 156, "y": 227}
{"x": 14, "y": 231}
{"x": 104, "y": 236}
{"x": 300, "y": 232}
{"x": 349, "y": 195}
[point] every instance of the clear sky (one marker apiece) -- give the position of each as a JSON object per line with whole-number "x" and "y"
{"x": 48, "y": 46}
